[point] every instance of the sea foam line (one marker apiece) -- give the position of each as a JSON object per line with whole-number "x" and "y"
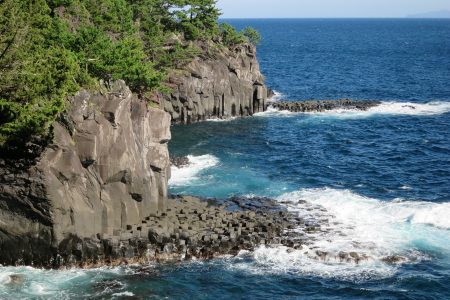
{"x": 385, "y": 108}
{"x": 399, "y": 108}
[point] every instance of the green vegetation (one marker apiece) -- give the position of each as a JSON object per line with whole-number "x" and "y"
{"x": 252, "y": 36}
{"x": 231, "y": 37}
{"x": 49, "y": 49}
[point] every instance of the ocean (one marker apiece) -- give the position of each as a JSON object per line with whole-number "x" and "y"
{"x": 382, "y": 175}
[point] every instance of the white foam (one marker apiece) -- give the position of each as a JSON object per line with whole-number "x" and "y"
{"x": 385, "y": 108}
{"x": 277, "y": 96}
{"x": 54, "y": 284}
{"x": 392, "y": 108}
{"x": 271, "y": 111}
{"x": 221, "y": 120}
{"x": 123, "y": 294}
{"x": 375, "y": 229}
{"x": 344, "y": 203}
{"x": 5, "y": 277}
{"x": 408, "y": 108}
{"x": 276, "y": 260}
{"x": 186, "y": 174}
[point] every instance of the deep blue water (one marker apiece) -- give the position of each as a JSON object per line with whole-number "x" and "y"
{"x": 384, "y": 174}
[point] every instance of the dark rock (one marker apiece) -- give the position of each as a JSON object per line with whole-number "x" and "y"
{"x": 108, "y": 285}
{"x": 322, "y": 105}
{"x": 179, "y": 161}
{"x": 394, "y": 259}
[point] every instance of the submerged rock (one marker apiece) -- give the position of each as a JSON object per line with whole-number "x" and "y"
{"x": 15, "y": 279}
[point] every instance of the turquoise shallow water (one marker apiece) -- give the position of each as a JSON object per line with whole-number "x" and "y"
{"x": 382, "y": 175}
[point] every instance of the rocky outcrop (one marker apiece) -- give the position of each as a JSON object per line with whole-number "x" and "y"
{"x": 221, "y": 84}
{"x": 322, "y": 105}
{"x": 179, "y": 162}
{"x": 107, "y": 167}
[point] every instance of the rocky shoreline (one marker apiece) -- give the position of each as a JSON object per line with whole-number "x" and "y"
{"x": 201, "y": 229}
{"x": 189, "y": 228}
{"x": 323, "y": 105}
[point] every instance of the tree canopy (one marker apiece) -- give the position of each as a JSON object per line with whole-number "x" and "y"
{"x": 49, "y": 49}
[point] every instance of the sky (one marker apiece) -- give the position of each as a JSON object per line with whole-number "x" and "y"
{"x": 329, "y": 8}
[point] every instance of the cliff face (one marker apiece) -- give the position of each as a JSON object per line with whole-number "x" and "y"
{"x": 225, "y": 84}
{"x": 107, "y": 168}
{"x": 90, "y": 195}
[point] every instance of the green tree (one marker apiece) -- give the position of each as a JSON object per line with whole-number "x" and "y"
{"x": 198, "y": 19}
{"x": 230, "y": 36}
{"x": 35, "y": 78}
{"x": 253, "y": 36}
{"x": 51, "y": 48}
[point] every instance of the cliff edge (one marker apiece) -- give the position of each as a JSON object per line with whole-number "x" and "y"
{"x": 221, "y": 83}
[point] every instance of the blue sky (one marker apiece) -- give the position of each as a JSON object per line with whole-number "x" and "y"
{"x": 328, "y": 8}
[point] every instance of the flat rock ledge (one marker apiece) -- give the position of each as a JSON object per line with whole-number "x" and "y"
{"x": 323, "y": 105}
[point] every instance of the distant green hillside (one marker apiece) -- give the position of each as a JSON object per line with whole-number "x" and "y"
{"x": 51, "y": 48}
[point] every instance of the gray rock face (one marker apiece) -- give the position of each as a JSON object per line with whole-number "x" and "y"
{"x": 224, "y": 84}
{"x": 107, "y": 167}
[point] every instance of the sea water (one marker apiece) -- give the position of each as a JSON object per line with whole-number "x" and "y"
{"x": 381, "y": 175}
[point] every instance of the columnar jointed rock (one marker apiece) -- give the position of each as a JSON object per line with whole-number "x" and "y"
{"x": 108, "y": 166}
{"x": 190, "y": 228}
{"x": 221, "y": 84}
{"x": 203, "y": 229}
{"x": 322, "y": 105}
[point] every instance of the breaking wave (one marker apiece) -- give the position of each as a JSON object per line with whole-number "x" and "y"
{"x": 385, "y": 108}
{"x": 380, "y": 235}
{"x": 181, "y": 176}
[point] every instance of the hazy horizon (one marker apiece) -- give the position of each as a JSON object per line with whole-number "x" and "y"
{"x": 323, "y": 9}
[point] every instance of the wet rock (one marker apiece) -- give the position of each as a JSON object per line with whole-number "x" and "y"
{"x": 179, "y": 161}
{"x": 323, "y": 105}
{"x": 16, "y": 279}
{"x": 394, "y": 259}
{"x": 108, "y": 285}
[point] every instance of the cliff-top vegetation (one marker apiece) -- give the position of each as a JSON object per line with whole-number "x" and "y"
{"x": 49, "y": 49}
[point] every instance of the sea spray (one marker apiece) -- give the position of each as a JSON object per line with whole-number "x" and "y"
{"x": 184, "y": 175}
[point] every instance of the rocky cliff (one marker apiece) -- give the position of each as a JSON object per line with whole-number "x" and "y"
{"x": 91, "y": 193}
{"x": 107, "y": 167}
{"x": 221, "y": 83}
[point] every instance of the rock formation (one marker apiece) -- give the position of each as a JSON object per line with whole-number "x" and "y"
{"x": 322, "y": 105}
{"x": 107, "y": 167}
{"x": 222, "y": 84}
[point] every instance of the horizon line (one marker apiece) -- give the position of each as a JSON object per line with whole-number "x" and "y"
{"x": 298, "y": 18}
